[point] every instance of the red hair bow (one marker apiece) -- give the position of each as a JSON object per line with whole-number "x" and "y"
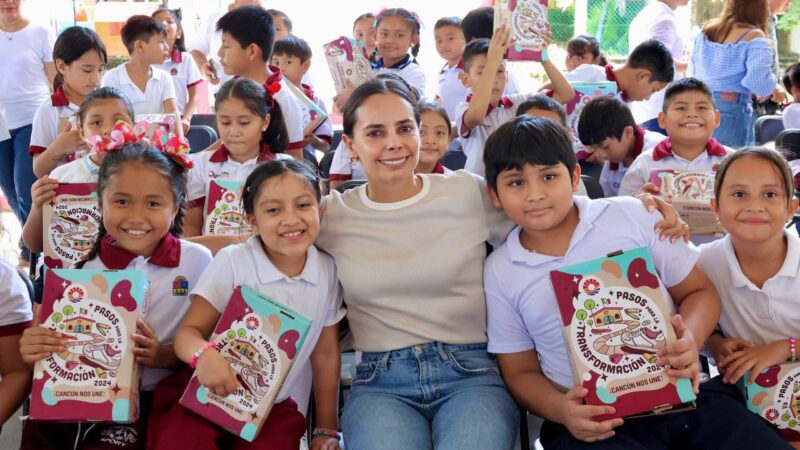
{"x": 272, "y": 89}
{"x": 175, "y": 147}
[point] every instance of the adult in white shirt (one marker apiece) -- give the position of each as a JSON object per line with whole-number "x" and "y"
{"x": 206, "y": 43}
{"x": 657, "y": 21}
{"x": 27, "y": 71}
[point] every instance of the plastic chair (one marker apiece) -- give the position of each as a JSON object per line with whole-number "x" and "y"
{"x": 209, "y": 120}
{"x": 767, "y": 128}
{"x": 325, "y": 164}
{"x": 593, "y": 187}
{"x": 454, "y": 159}
{"x": 789, "y": 141}
{"x": 200, "y": 137}
{"x": 349, "y": 184}
{"x": 337, "y": 138}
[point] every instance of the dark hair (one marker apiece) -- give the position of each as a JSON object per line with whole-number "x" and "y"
{"x": 654, "y": 56}
{"x": 478, "y": 24}
{"x": 250, "y": 24}
{"x": 586, "y": 44}
{"x": 776, "y": 157}
{"x": 373, "y": 87}
{"x": 474, "y": 48}
{"x": 423, "y": 107}
{"x": 292, "y": 46}
{"x": 364, "y": 16}
{"x": 180, "y": 43}
{"x": 140, "y": 28}
{"x": 141, "y": 153}
{"x": 544, "y": 103}
{"x": 791, "y": 78}
{"x": 447, "y": 22}
{"x": 103, "y": 93}
{"x": 604, "y": 117}
{"x": 275, "y": 13}
{"x": 254, "y": 97}
{"x": 527, "y": 140}
{"x": 415, "y": 95}
{"x": 686, "y": 85}
{"x": 409, "y": 18}
{"x": 73, "y": 43}
{"x": 270, "y": 169}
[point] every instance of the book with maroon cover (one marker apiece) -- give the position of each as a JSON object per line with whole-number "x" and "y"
{"x": 615, "y": 316}
{"x": 223, "y": 209}
{"x": 775, "y": 396}
{"x": 313, "y": 115}
{"x": 347, "y": 60}
{"x": 690, "y": 192}
{"x": 260, "y": 339}
{"x": 96, "y": 377}
{"x": 71, "y": 224}
{"x": 528, "y": 23}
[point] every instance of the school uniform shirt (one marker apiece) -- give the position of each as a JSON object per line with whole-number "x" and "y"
{"x": 81, "y": 170}
{"x": 159, "y": 89}
{"x": 409, "y": 71}
{"x": 325, "y": 130}
{"x": 343, "y": 168}
{"x": 47, "y": 119}
{"x": 612, "y": 173}
{"x": 474, "y": 140}
{"x": 15, "y": 304}
{"x": 219, "y": 165}
{"x": 23, "y": 82}
{"x": 172, "y": 270}
{"x": 791, "y": 116}
{"x": 315, "y": 293}
{"x": 184, "y": 73}
{"x": 290, "y": 107}
{"x": 592, "y": 73}
{"x": 521, "y": 304}
{"x": 661, "y": 157}
{"x": 760, "y": 315}
{"x": 208, "y": 41}
{"x": 451, "y": 89}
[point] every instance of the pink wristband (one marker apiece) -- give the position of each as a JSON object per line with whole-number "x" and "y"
{"x": 793, "y": 348}
{"x": 196, "y": 356}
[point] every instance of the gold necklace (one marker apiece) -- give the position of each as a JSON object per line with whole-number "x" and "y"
{"x": 10, "y": 36}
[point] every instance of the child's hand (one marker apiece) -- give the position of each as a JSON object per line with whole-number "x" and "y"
{"x": 37, "y": 343}
{"x": 577, "y": 417}
{"x": 215, "y": 373}
{"x": 340, "y": 99}
{"x": 671, "y": 226}
{"x": 210, "y": 73}
{"x": 308, "y": 139}
{"x": 324, "y": 443}
{"x": 500, "y": 42}
{"x": 68, "y": 141}
{"x": 681, "y": 355}
{"x": 43, "y": 190}
{"x": 147, "y": 349}
{"x": 755, "y": 359}
{"x": 596, "y": 157}
{"x": 722, "y": 347}
{"x": 649, "y": 188}
{"x": 186, "y": 124}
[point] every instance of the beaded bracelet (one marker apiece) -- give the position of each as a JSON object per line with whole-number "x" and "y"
{"x": 793, "y": 349}
{"x": 196, "y": 356}
{"x": 330, "y": 432}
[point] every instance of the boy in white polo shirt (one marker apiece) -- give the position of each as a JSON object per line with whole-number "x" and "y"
{"x": 486, "y": 108}
{"x": 450, "y": 46}
{"x": 149, "y": 89}
{"x": 690, "y": 118}
{"x": 532, "y": 174}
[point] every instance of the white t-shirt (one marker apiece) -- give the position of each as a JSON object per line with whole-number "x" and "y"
{"x": 474, "y": 140}
{"x": 315, "y": 293}
{"x": 47, "y": 119}
{"x": 81, "y": 170}
{"x": 159, "y": 89}
{"x": 343, "y": 168}
{"x": 760, "y": 315}
{"x": 410, "y": 71}
{"x": 656, "y": 21}
{"x": 23, "y": 81}
{"x": 611, "y": 175}
{"x": 208, "y": 41}
{"x": 185, "y": 74}
{"x": 522, "y": 309}
{"x": 15, "y": 304}
{"x": 791, "y": 116}
{"x": 173, "y": 258}
{"x": 451, "y": 89}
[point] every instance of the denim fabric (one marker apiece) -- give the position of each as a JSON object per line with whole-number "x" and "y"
{"x": 430, "y": 396}
{"x": 736, "y": 121}
{"x": 16, "y": 171}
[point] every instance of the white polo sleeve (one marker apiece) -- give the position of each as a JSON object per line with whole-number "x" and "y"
{"x": 506, "y": 329}
{"x": 217, "y": 282}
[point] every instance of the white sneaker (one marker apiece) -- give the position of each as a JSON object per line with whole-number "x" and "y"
{"x": 101, "y": 355}
{"x": 642, "y": 340}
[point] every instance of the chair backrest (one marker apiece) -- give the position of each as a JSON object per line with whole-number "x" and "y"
{"x": 767, "y": 128}
{"x": 349, "y": 184}
{"x": 789, "y": 140}
{"x": 325, "y": 164}
{"x": 593, "y": 187}
{"x": 337, "y": 137}
{"x": 454, "y": 159}
{"x": 209, "y": 120}
{"x": 200, "y": 137}
{"x": 28, "y": 283}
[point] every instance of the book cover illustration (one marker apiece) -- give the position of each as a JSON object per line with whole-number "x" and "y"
{"x": 260, "y": 339}
{"x": 313, "y": 116}
{"x": 775, "y": 396}
{"x": 223, "y": 209}
{"x": 690, "y": 192}
{"x": 347, "y": 60}
{"x": 528, "y": 23}
{"x": 96, "y": 377}
{"x": 615, "y": 317}
{"x": 584, "y": 93}
{"x": 71, "y": 224}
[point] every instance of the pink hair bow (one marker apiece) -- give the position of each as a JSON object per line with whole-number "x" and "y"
{"x": 175, "y": 147}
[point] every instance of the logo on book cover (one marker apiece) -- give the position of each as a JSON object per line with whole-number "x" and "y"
{"x": 696, "y": 186}
{"x": 529, "y": 20}
{"x": 73, "y": 229}
{"x": 785, "y": 410}
{"x": 96, "y": 340}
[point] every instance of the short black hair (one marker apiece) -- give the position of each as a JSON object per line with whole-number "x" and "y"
{"x": 447, "y": 22}
{"x": 478, "y": 24}
{"x": 140, "y": 28}
{"x": 527, "y": 140}
{"x": 276, "y": 13}
{"x": 544, "y": 103}
{"x": 292, "y": 46}
{"x": 604, "y": 117}
{"x": 474, "y": 48}
{"x": 685, "y": 85}
{"x": 791, "y": 78}
{"x": 654, "y": 56}
{"x": 249, "y": 24}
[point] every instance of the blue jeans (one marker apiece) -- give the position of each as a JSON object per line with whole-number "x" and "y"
{"x": 434, "y": 395}
{"x": 736, "y": 121}
{"x": 16, "y": 171}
